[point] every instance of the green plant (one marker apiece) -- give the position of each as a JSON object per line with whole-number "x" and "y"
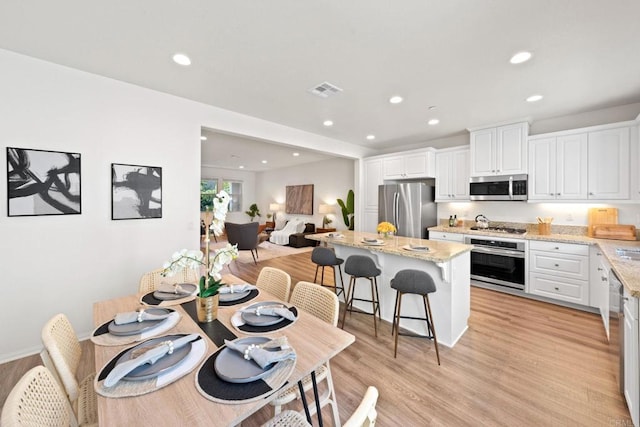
{"x": 253, "y": 211}
{"x": 348, "y": 210}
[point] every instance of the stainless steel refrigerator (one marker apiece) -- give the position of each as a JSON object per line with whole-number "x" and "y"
{"x": 409, "y": 206}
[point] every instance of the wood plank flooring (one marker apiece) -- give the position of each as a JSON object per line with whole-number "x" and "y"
{"x": 521, "y": 363}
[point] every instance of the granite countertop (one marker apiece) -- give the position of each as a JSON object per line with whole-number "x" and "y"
{"x": 628, "y": 271}
{"x": 438, "y": 251}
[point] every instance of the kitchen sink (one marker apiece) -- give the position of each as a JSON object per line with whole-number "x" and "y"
{"x": 633, "y": 254}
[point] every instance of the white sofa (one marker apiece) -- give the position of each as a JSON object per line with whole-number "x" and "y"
{"x": 281, "y": 237}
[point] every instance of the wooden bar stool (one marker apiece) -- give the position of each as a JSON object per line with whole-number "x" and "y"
{"x": 325, "y": 257}
{"x": 360, "y": 266}
{"x": 419, "y": 283}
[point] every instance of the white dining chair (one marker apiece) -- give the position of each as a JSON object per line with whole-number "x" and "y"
{"x": 275, "y": 281}
{"x": 365, "y": 414}
{"x": 323, "y": 304}
{"x": 150, "y": 281}
{"x": 37, "y": 400}
{"x": 63, "y": 353}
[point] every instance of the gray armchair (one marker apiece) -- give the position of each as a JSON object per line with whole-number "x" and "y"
{"x": 245, "y": 236}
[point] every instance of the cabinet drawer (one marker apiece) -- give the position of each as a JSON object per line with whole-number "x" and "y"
{"x": 563, "y": 248}
{"x": 575, "y": 291}
{"x": 557, "y": 264}
{"x": 449, "y": 237}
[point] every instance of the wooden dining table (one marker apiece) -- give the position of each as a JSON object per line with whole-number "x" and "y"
{"x": 180, "y": 403}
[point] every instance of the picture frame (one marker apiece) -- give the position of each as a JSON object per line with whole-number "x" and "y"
{"x": 136, "y": 191}
{"x": 299, "y": 199}
{"x": 43, "y": 182}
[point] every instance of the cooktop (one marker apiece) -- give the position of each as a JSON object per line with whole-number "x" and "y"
{"x": 506, "y": 230}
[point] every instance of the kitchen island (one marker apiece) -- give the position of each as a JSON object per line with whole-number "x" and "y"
{"x": 448, "y": 264}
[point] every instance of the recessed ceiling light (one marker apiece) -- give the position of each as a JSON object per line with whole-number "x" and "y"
{"x": 371, "y": 137}
{"x": 520, "y": 57}
{"x": 203, "y": 138}
{"x": 327, "y": 123}
{"x": 534, "y": 98}
{"x": 433, "y": 122}
{"x": 296, "y": 154}
{"x": 264, "y": 162}
{"x": 395, "y": 99}
{"x": 241, "y": 167}
{"x": 181, "y": 59}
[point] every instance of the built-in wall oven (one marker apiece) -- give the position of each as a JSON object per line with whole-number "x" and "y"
{"x": 498, "y": 261}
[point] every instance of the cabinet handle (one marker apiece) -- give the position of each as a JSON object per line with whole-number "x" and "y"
{"x": 599, "y": 269}
{"x": 556, "y": 288}
{"x": 557, "y": 265}
{"x": 604, "y": 279}
{"x": 557, "y": 248}
{"x": 624, "y": 299}
{"x": 591, "y": 194}
{"x": 551, "y": 194}
{"x": 598, "y": 253}
{"x": 558, "y": 194}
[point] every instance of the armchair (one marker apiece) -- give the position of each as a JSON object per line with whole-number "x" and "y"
{"x": 245, "y": 236}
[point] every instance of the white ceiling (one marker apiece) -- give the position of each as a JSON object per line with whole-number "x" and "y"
{"x": 260, "y": 57}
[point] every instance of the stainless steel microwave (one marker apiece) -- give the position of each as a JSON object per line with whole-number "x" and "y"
{"x": 506, "y": 187}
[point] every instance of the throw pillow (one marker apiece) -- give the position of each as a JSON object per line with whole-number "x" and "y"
{"x": 300, "y": 227}
{"x": 280, "y": 223}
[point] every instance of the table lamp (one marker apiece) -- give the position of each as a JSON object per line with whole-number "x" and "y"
{"x": 326, "y": 210}
{"x": 274, "y": 207}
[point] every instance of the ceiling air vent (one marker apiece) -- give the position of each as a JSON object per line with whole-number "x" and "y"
{"x": 325, "y": 89}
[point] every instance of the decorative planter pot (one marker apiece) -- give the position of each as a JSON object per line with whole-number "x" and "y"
{"x": 207, "y": 308}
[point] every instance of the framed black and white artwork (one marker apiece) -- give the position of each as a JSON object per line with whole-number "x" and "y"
{"x": 136, "y": 191}
{"x": 41, "y": 182}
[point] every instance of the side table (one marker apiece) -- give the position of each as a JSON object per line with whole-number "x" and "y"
{"x": 325, "y": 230}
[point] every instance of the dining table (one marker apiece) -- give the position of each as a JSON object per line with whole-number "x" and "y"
{"x": 181, "y": 403}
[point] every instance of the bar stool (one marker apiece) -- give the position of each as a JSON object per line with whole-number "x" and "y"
{"x": 325, "y": 257}
{"x": 419, "y": 283}
{"x": 360, "y": 266}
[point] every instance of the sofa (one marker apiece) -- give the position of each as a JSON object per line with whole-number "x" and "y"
{"x": 298, "y": 240}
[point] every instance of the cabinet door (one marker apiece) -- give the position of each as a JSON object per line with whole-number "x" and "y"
{"x": 443, "y": 177}
{"x": 571, "y": 176}
{"x": 599, "y": 285}
{"x": 511, "y": 149}
{"x": 609, "y": 164}
{"x": 372, "y": 179}
{"x": 370, "y": 221}
{"x": 416, "y": 166}
{"x": 393, "y": 167}
{"x": 483, "y": 147}
{"x": 542, "y": 169}
{"x": 446, "y": 237}
{"x": 459, "y": 182}
{"x": 631, "y": 374}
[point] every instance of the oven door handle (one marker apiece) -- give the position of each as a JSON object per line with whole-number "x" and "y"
{"x": 501, "y": 252}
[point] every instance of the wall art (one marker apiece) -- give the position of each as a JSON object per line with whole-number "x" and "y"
{"x": 41, "y": 182}
{"x": 299, "y": 199}
{"x": 136, "y": 191}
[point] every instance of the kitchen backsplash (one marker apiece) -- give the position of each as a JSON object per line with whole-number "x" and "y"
{"x": 573, "y": 230}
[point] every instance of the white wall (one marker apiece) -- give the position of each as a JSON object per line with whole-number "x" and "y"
{"x": 65, "y": 263}
{"x": 331, "y": 179}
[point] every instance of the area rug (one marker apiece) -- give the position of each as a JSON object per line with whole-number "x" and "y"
{"x": 266, "y": 250}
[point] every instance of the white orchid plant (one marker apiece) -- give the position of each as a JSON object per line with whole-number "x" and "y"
{"x": 194, "y": 259}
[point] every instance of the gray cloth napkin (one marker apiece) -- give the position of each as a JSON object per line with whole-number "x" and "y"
{"x": 151, "y": 357}
{"x": 258, "y": 353}
{"x": 175, "y": 289}
{"x": 236, "y": 289}
{"x": 271, "y": 311}
{"x": 138, "y": 316}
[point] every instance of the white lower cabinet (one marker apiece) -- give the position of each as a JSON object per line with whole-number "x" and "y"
{"x": 631, "y": 357}
{"x": 599, "y": 288}
{"x": 447, "y": 237}
{"x": 559, "y": 271}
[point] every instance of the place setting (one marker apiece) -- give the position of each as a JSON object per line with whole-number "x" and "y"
{"x": 231, "y": 295}
{"x": 169, "y": 294}
{"x": 264, "y": 317}
{"x": 246, "y": 369}
{"x": 150, "y": 365}
{"x": 373, "y": 242}
{"x": 133, "y": 326}
{"x": 416, "y": 248}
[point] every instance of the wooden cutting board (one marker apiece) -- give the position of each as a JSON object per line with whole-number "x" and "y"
{"x": 603, "y": 216}
{"x": 615, "y": 232}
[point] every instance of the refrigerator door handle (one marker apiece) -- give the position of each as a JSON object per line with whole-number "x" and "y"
{"x": 396, "y": 209}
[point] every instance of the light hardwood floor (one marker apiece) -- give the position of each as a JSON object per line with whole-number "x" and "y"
{"x": 521, "y": 363}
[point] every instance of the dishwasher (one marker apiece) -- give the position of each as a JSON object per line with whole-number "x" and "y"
{"x": 616, "y": 306}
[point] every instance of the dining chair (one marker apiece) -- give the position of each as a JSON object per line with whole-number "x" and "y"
{"x": 365, "y": 414}
{"x": 150, "y": 281}
{"x": 37, "y": 400}
{"x": 63, "y": 353}
{"x": 275, "y": 281}
{"x": 323, "y": 304}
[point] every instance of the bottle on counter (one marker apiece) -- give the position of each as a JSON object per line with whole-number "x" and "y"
{"x": 450, "y": 220}
{"x": 455, "y": 220}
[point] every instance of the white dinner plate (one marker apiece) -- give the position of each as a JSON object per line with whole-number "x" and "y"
{"x": 138, "y": 327}
{"x": 377, "y": 242}
{"x": 167, "y": 296}
{"x": 231, "y": 366}
{"x": 163, "y": 364}
{"x": 253, "y": 319}
{"x": 229, "y": 297}
{"x": 416, "y": 248}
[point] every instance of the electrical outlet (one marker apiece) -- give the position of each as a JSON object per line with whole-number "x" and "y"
{"x": 569, "y": 217}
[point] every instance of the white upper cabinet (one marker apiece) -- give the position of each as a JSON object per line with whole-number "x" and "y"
{"x": 452, "y": 175}
{"x": 499, "y": 150}
{"x": 372, "y": 179}
{"x": 609, "y": 152}
{"x": 558, "y": 168}
{"x": 409, "y": 165}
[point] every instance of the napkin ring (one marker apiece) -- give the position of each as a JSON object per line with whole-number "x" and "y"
{"x": 248, "y": 350}
{"x": 140, "y": 313}
{"x": 170, "y": 344}
{"x": 177, "y": 288}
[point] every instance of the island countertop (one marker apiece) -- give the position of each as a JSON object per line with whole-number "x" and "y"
{"x": 438, "y": 251}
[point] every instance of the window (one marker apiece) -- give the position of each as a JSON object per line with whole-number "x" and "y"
{"x": 234, "y": 189}
{"x": 208, "y": 189}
